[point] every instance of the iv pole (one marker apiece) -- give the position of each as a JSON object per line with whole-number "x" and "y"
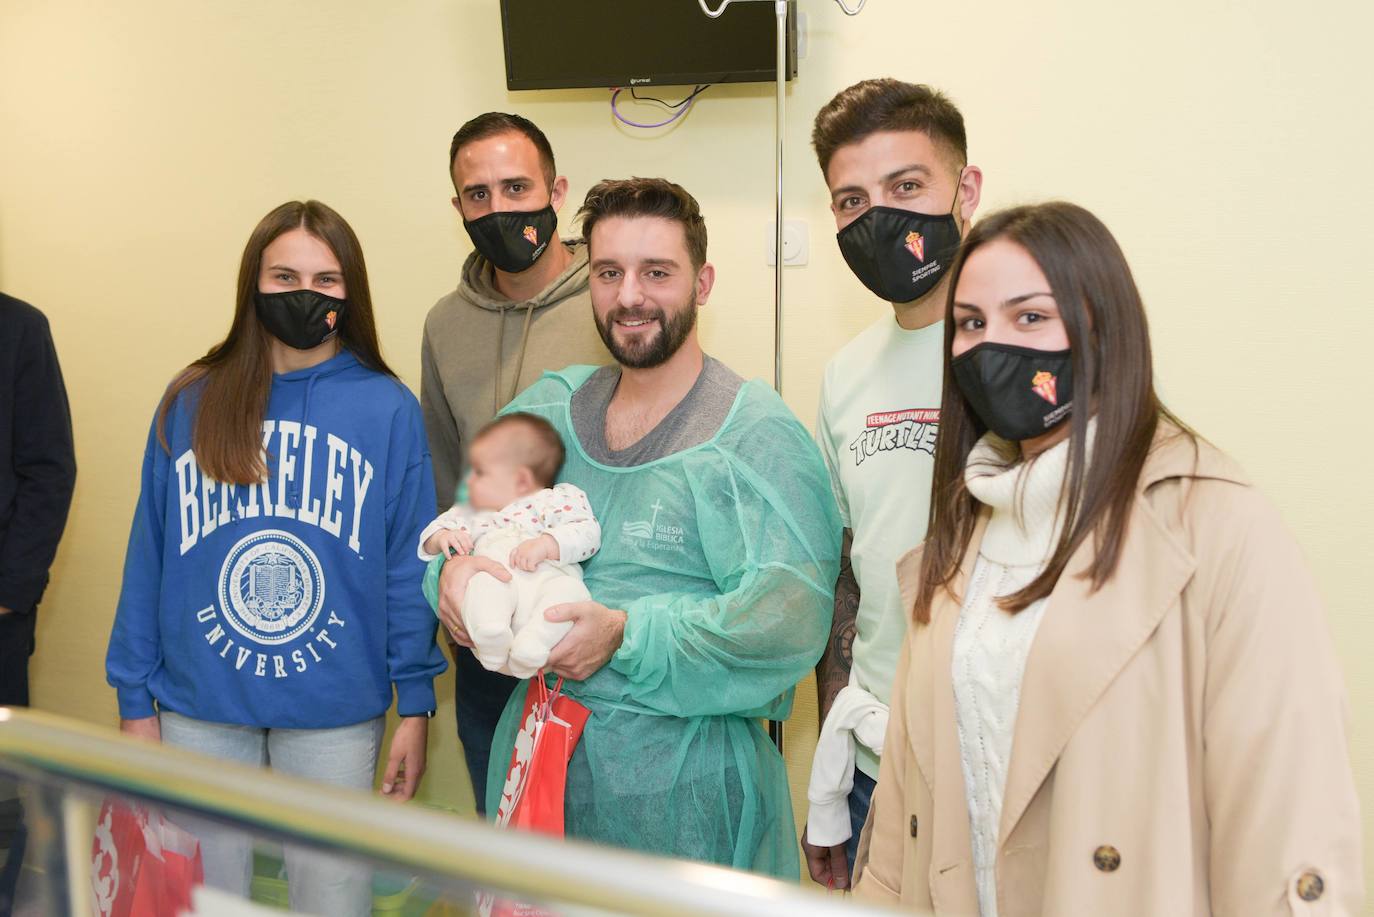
{"x": 780, "y": 12}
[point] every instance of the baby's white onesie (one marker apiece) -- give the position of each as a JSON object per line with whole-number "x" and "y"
{"x": 506, "y": 620}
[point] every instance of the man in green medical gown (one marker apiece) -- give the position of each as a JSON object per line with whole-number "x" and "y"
{"x": 712, "y": 591}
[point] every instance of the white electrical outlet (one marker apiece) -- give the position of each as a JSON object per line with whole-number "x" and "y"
{"x": 796, "y": 246}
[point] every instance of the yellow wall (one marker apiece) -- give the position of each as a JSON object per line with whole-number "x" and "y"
{"x": 1224, "y": 142}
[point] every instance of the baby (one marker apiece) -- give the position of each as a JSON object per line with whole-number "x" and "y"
{"x": 519, "y": 517}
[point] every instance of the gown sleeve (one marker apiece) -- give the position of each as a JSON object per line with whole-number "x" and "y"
{"x": 771, "y": 534}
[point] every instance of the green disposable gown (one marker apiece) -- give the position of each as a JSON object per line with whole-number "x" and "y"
{"x": 724, "y": 557}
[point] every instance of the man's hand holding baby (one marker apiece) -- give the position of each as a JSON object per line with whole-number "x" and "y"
{"x": 516, "y": 512}
{"x": 531, "y": 553}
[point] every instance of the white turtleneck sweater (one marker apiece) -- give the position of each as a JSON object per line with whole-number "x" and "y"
{"x": 991, "y": 645}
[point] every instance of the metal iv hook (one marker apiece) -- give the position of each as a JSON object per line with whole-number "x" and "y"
{"x": 715, "y": 14}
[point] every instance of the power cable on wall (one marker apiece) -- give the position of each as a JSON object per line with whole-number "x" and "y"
{"x": 679, "y": 108}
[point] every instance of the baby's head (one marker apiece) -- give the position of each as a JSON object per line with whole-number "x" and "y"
{"x": 512, "y": 457}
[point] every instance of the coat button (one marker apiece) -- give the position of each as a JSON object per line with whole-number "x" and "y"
{"x": 913, "y": 826}
{"x": 1310, "y": 886}
{"x": 1107, "y": 858}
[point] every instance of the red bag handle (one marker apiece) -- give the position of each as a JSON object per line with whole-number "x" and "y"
{"x": 545, "y": 696}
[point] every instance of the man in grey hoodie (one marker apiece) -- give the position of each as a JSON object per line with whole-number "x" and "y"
{"x": 521, "y": 307}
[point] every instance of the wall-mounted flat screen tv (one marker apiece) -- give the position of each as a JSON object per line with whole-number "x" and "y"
{"x": 579, "y": 44}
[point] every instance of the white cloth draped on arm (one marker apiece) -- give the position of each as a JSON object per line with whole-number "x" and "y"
{"x": 856, "y": 715}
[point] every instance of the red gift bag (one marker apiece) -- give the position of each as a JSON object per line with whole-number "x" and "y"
{"x": 142, "y": 865}
{"x": 532, "y": 798}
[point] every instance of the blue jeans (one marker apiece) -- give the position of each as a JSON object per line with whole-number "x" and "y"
{"x": 860, "y": 798}
{"x": 347, "y": 756}
{"x": 479, "y": 696}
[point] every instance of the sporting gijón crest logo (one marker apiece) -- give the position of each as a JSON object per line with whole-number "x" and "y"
{"x": 916, "y": 244}
{"x": 1044, "y": 385}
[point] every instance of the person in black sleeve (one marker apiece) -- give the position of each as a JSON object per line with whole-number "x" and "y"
{"x": 37, "y": 474}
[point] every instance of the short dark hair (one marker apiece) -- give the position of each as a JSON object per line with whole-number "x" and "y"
{"x": 544, "y": 456}
{"x": 499, "y": 122}
{"x": 887, "y": 105}
{"x": 646, "y": 197}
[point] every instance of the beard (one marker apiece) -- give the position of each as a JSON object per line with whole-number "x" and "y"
{"x": 655, "y": 350}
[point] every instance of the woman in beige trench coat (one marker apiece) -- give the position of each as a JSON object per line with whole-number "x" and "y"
{"x": 1119, "y": 694}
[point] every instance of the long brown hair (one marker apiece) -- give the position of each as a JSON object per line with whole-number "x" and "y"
{"x": 233, "y": 381}
{"x": 1113, "y": 383}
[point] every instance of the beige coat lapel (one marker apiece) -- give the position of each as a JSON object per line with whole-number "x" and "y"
{"x": 1084, "y": 640}
{"x": 930, "y": 714}
{"x": 919, "y": 685}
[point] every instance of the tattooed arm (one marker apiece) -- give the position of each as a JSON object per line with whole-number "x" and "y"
{"x": 832, "y": 672}
{"x": 829, "y": 866}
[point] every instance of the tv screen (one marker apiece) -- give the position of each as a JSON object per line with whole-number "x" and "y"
{"x": 578, "y": 44}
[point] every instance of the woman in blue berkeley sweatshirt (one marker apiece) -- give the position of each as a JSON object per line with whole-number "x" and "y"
{"x": 271, "y": 596}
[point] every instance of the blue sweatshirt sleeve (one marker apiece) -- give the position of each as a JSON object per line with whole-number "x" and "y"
{"x": 135, "y": 649}
{"x": 413, "y": 655}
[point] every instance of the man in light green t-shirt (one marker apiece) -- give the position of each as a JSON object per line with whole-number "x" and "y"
{"x": 894, "y": 157}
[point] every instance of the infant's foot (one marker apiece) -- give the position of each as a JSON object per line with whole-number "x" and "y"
{"x": 526, "y": 659}
{"x": 521, "y": 670}
{"x": 489, "y": 645}
{"x": 492, "y": 661}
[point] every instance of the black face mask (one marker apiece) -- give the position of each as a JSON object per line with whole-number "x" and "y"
{"x": 1017, "y": 392}
{"x": 513, "y": 240}
{"x": 899, "y": 254}
{"x": 300, "y": 318}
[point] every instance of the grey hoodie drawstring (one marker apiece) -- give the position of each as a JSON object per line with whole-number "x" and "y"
{"x": 477, "y": 286}
{"x": 520, "y": 358}
{"x": 520, "y": 361}
{"x": 500, "y": 351}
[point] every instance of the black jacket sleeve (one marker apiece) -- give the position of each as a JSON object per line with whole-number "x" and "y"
{"x": 37, "y": 457}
